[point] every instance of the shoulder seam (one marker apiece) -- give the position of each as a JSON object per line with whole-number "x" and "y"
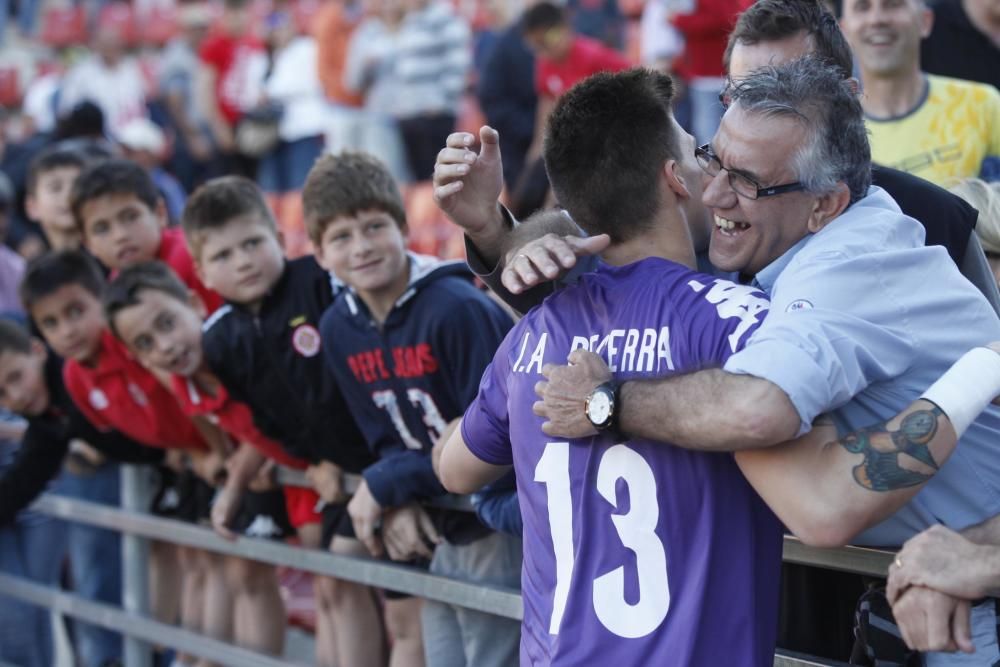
{"x": 220, "y": 312}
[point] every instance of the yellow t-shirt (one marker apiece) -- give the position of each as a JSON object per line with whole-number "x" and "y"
{"x": 949, "y": 135}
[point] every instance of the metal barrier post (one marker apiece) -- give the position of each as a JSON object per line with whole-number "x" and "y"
{"x": 136, "y": 493}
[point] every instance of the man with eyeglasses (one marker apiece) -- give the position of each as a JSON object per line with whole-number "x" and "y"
{"x": 863, "y": 317}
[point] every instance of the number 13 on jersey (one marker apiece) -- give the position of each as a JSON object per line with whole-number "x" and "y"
{"x": 636, "y": 530}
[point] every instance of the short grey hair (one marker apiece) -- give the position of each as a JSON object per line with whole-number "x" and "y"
{"x": 816, "y": 94}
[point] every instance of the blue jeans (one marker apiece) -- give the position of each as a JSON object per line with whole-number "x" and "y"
{"x": 285, "y": 168}
{"x": 95, "y": 562}
{"x": 31, "y": 548}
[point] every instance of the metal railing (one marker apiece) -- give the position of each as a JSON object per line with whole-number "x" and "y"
{"x": 141, "y": 631}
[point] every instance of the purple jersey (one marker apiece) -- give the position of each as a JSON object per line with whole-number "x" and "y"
{"x": 635, "y": 553}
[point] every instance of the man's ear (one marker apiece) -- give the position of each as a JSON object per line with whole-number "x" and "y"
{"x": 828, "y": 207}
{"x": 674, "y": 179}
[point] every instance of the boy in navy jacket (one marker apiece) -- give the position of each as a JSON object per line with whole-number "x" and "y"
{"x": 408, "y": 341}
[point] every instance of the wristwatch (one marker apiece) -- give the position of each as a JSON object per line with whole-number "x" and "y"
{"x": 601, "y": 407}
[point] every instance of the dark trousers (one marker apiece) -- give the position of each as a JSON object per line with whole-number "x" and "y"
{"x": 423, "y": 138}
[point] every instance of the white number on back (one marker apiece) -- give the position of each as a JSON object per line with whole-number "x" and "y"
{"x": 636, "y": 530}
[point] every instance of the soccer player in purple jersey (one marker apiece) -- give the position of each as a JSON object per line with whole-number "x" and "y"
{"x": 636, "y": 552}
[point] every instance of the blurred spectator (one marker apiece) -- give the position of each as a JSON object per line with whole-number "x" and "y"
{"x": 563, "y": 58}
{"x": 231, "y": 77}
{"x": 335, "y": 24}
{"x": 599, "y": 19}
{"x": 108, "y": 78}
{"x": 931, "y": 126}
{"x": 370, "y": 71}
{"x": 193, "y": 152}
{"x": 27, "y": 14}
{"x": 985, "y": 198}
{"x": 40, "y": 97}
{"x": 432, "y": 62}
{"x": 11, "y": 264}
{"x": 705, "y": 31}
{"x": 143, "y": 142}
{"x": 965, "y": 41}
{"x": 660, "y": 42}
{"x": 508, "y": 98}
{"x": 293, "y": 85}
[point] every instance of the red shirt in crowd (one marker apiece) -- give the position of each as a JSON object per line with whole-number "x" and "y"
{"x": 174, "y": 253}
{"x": 235, "y": 61}
{"x": 586, "y": 57}
{"x": 118, "y": 393}
{"x": 235, "y": 418}
{"x": 706, "y": 32}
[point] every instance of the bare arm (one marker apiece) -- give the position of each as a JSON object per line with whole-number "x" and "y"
{"x": 461, "y": 471}
{"x": 710, "y": 410}
{"x": 827, "y": 489}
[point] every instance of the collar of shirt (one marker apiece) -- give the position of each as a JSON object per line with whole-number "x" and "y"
{"x": 767, "y": 276}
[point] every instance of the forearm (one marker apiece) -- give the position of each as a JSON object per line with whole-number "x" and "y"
{"x": 488, "y": 241}
{"x": 827, "y": 489}
{"x": 709, "y": 410}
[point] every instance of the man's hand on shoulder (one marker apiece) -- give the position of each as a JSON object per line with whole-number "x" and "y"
{"x": 564, "y": 394}
{"x": 467, "y": 184}
{"x": 545, "y": 258}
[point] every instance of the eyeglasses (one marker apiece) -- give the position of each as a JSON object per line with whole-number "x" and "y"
{"x": 741, "y": 184}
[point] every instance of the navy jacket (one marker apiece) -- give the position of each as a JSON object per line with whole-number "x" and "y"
{"x": 272, "y": 361}
{"x": 406, "y": 381}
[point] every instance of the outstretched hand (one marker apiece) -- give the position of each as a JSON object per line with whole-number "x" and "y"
{"x": 467, "y": 184}
{"x": 547, "y": 258}
{"x": 565, "y": 393}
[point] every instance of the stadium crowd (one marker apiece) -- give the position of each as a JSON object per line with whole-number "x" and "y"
{"x": 741, "y": 264}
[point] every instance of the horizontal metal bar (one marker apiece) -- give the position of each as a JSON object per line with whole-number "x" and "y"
{"x": 290, "y": 477}
{"x": 859, "y": 560}
{"x": 494, "y": 600}
{"x": 132, "y": 625}
{"x": 783, "y": 658}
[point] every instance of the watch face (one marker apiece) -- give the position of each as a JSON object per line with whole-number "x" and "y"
{"x": 599, "y": 408}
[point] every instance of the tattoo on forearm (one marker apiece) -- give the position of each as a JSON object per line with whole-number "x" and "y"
{"x": 882, "y": 448}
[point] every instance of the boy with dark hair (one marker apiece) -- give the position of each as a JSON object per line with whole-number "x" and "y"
{"x": 123, "y": 221}
{"x": 31, "y": 386}
{"x": 160, "y": 320}
{"x": 264, "y": 347}
{"x": 407, "y": 342}
{"x": 50, "y": 180}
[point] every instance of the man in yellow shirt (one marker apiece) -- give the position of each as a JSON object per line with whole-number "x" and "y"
{"x": 935, "y": 127}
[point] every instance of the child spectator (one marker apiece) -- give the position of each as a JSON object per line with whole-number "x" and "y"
{"x": 31, "y": 386}
{"x": 50, "y": 181}
{"x": 407, "y": 342}
{"x": 160, "y": 321}
{"x": 264, "y": 347}
{"x": 62, "y": 293}
{"x": 123, "y": 222}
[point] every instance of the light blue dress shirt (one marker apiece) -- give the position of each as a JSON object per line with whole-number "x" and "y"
{"x": 863, "y": 319}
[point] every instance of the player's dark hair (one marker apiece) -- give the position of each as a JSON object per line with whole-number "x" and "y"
{"x": 543, "y": 16}
{"x": 14, "y": 337}
{"x": 217, "y": 203}
{"x": 773, "y": 20}
{"x": 112, "y": 177}
{"x": 52, "y": 271}
{"x": 50, "y": 159}
{"x": 344, "y": 185}
{"x": 605, "y": 146}
{"x": 123, "y": 291}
